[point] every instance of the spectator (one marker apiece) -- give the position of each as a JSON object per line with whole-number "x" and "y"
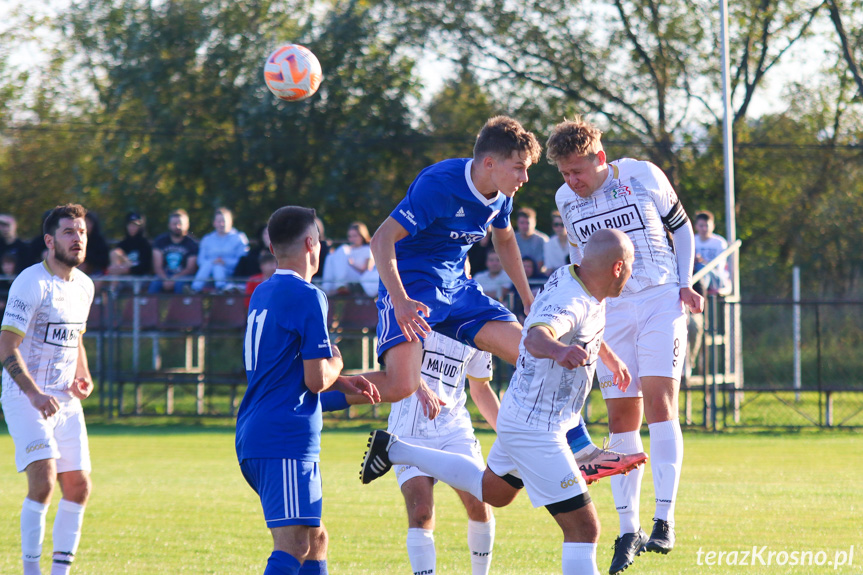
{"x": 531, "y": 243}
{"x": 249, "y": 264}
{"x": 11, "y": 243}
{"x": 134, "y": 254}
{"x": 478, "y": 252}
{"x": 326, "y": 250}
{"x": 37, "y": 250}
{"x": 175, "y": 255}
{"x": 556, "y": 251}
{"x": 268, "y": 264}
{"x": 8, "y": 267}
{"x": 220, "y": 251}
{"x": 349, "y": 266}
{"x": 98, "y": 253}
{"x": 707, "y": 247}
{"x": 494, "y": 281}
{"x": 536, "y": 279}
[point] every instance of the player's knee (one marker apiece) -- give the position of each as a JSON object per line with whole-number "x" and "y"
{"x": 319, "y": 542}
{"x": 479, "y": 511}
{"x": 40, "y": 491}
{"x": 76, "y": 487}
{"x": 421, "y": 516}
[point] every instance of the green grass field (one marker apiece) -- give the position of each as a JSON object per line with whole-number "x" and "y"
{"x": 170, "y": 499}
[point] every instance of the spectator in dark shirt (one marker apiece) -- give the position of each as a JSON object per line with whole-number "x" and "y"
{"x": 98, "y": 253}
{"x": 11, "y": 243}
{"x": 134, "y": 254}
{"x": 249, "y": 264}
{"x": 175, "y": 255}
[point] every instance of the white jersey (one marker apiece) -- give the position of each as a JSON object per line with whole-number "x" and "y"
{"x": 543, "y": 394}
{"x": 50, "y": 314}
{"x": 708, "y": 250}
{"x": 445, "y": 364}
{"x": 637, "y": 199}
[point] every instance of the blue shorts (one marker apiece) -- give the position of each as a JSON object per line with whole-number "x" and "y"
{"x": 290, "y": 490}
{"x": 458, "y": 312}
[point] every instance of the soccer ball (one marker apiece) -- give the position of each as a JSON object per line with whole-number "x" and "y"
{"x": 292, "y": 72}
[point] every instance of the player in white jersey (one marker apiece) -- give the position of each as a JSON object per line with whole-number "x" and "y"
{"x": 560, "y": 344}
{"x": 45, "y": 377}
{"x": 646, "y": 326}
{"x": 446, "y": 362}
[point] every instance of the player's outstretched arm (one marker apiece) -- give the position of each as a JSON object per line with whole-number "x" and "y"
{"x": 17, "y": 369}
{"x": 485, "y": 398}
{"x": 82, "y": 387}
{"x": 406, "y": 310}
{"x": 541, "y": 343}
{"x": 357, "y": 389}
{"x": 620, "y": 373}
{"x": 321, "y": 374}
{"x": 510, "y": 257}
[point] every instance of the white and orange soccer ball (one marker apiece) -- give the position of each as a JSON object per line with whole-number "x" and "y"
{"x": 292, "y": 72}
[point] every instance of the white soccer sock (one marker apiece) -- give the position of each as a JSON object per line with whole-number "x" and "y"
{"x": 480, "y": 541}
{"x": 67, "y": 535}
{"x": 626, "y": 489}
{"x": 32, "y": 533}
{"x": 454, "y": 469}
{"x": 666, "y": 460}
{"x": 579, "y": 559}
{"x": 421, "y": 551}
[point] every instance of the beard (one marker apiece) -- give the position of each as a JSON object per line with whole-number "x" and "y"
{"x": 68, "y": 258}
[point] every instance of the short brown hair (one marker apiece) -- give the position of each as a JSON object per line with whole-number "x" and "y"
{"x": 526, "y": 213}
{"x": 573, "y": 137}
{"x": 178, "y": 213}
{"x": 52, "y": 220}
{"x": 705, "y": 215}
{"x": 288, "y": 224}
{"x": 502, "y": 135}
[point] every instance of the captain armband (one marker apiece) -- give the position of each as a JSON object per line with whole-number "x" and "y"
{"x": 676, "y": 218}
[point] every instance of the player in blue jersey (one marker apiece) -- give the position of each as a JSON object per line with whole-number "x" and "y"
{"x": 420, "y": 251}
{"x": 289, "y": 360}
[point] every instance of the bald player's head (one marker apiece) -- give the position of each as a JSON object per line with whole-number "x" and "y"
{"x": 609, "y": 255}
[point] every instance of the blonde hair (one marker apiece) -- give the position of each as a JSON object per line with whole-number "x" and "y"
{"x": 573, "y": 137}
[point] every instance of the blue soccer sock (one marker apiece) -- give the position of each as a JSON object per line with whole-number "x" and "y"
{"x": 281, "y": 563}
{"x": 334, "y": 401}
{"x": 314, "y": 568}
{"x": 579, "y": 439}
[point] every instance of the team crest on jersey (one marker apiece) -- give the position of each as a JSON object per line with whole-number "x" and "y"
{"x": 469, "y": 238}
{"x": 63, "y": 334}
{"x": 621, "y": 191}
{"x": 625, "y": 219}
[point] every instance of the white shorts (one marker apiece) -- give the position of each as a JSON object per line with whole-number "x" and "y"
{"x": 541, "y": 459}
{"x": 462, "y": 441}
{"x": 63, "y": 436}
{"x": 648, "y": 332}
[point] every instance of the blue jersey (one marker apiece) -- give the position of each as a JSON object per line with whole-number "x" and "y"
{"x": 445, "y": 215}
{"x": 279, "y": 417}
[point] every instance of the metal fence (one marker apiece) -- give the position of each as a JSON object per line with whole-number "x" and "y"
{"x": 182, "y": 354}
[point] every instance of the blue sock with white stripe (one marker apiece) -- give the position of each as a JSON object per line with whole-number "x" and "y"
{"x": 314, "y": 568}
{"x": 579, "y": 439}
{"x": 281, "y": 563}
{"x": 334, "y": 401}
